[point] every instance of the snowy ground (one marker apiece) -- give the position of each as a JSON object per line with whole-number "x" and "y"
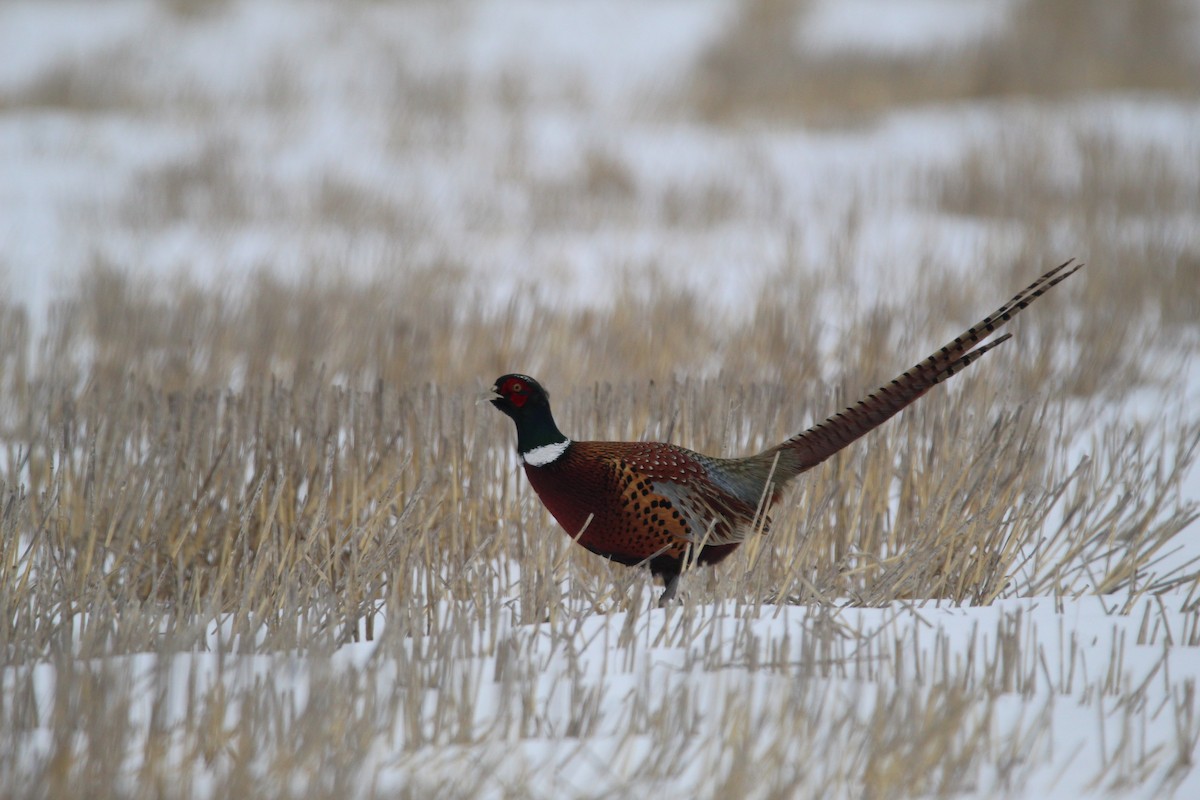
{"x": 219, "y": 140}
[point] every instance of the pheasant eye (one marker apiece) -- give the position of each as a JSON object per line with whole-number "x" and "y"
{"x": 516, "y": 386}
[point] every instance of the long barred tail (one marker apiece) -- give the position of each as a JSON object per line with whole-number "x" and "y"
{"x": 806, "y": 450}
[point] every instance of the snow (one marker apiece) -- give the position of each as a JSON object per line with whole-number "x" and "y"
{"x": 892, "y": 29}
{"x": 1064, "y": 695}
{"x": 616, "y": 49}
{"x": 593, "y": 76}
{"x": 37, "y": 37}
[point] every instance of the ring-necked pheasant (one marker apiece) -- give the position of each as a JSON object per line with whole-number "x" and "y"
{"x": 666, "y": 506}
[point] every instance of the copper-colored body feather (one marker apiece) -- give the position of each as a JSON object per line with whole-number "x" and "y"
{"x": 666, "y": 506}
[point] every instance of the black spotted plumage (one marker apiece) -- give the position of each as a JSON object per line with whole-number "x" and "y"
{"x": 663, "y": 505}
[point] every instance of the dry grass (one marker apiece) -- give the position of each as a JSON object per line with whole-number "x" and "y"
{"x": 1050, "y": 50}
{"x": 262, "y": 463}
{"x": 1130, "y": 204}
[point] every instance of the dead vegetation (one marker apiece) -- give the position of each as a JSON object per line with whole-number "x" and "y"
{"x": 759, "y": 70}
{"x": 260, "y": 463}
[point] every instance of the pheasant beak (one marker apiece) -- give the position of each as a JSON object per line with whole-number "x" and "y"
{"x": 488, "y": 396}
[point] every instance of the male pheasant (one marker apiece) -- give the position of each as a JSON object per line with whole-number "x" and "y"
{"x": 666, "y": 506}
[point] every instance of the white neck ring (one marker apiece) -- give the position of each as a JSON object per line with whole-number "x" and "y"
{"x": 546, "y": 454}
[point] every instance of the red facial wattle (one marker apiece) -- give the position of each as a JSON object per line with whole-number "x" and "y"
{"x": 514, "y": 391}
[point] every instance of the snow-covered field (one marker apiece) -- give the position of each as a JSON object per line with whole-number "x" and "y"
{"x": 511, "y": 159}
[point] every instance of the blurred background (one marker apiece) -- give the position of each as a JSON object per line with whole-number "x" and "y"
{"x": 478, "y": 154}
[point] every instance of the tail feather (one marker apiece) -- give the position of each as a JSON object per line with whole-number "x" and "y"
{"x": 806, "y": 450}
